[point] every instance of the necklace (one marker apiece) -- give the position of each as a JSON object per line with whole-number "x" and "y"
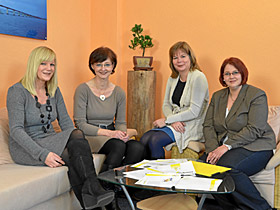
{"x": 100, "y": 92}
{"x": 48, "y": 109}
{"x": 102, "y": 97}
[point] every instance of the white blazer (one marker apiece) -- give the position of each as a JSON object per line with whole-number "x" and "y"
{"x": 192, "y": 109}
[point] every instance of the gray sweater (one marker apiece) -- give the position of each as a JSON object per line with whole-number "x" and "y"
{"x": 90, "y": 110}
{"x": 29, "y": 145}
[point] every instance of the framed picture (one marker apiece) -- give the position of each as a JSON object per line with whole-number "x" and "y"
{"x": 26, "y": 18}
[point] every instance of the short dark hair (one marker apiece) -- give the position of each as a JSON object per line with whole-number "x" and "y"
{"x": 101, "y": 54}
{"x": 239, "y": 65}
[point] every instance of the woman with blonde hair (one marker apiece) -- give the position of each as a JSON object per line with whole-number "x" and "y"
{"x": 33, "y": 104}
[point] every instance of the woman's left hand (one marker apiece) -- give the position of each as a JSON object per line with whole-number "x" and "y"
{"x": 216, "y": 154}
{"x": 179, "y": 126}
{"x": 124, "y": 137}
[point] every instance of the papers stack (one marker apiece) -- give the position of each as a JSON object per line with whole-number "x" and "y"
{"x": 176, "y": 173}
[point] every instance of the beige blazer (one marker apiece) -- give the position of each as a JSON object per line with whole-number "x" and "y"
{"x": 192, "y": 109}
{"x": 245, "y": 125}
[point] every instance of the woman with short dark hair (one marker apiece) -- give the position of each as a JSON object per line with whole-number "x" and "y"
{"x": 100, "y": 110}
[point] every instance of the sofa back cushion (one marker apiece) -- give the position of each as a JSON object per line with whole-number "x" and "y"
{"x": 5, "y": 156}
{"x": 274, "y": 122}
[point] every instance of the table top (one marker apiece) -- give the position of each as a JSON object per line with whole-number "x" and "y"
{"x": 116, "y": 176}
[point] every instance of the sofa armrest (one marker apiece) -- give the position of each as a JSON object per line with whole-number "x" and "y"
{"x": 274, "y": 161}
{"x": 131, "y": 132}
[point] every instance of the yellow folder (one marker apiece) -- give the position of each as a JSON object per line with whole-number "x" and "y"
{"x": 206, "y": 169}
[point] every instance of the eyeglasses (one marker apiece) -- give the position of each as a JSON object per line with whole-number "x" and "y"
{"x": 233, "y": 73}
{"x": 105, "y": 65}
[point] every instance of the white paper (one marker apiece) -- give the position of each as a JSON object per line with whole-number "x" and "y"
{"x": 178, "y": 173}
{"x": 156, "y": 163}
{"x": 138, "y": 174}
{"x": 198, "y": 183}
{"x": 159, "y": 180}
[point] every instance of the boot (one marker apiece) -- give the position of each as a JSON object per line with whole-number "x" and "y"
{"x": 113, "y": 205}
{"x": 83, "y": 173}
{"x": 93, "y": 195}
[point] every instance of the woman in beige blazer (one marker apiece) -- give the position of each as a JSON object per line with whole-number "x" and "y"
{"x": 184, "y": 105}
{"x": 238, "y": 136}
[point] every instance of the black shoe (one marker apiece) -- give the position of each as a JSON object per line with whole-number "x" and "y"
{"x": 113, "y": 205}
{"x": 110, "y": 186}
{"x": 144, "y": 194}
{"x": 95, "y": 198}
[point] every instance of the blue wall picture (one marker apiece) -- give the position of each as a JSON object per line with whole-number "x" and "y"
{"x": 27, "y": 18}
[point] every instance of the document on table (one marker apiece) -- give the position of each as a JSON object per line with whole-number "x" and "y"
{"x": 198, "y": 183}
{"x": 178, "y": 173}
{"x": 180, "y": 182}
{"x": 159, "y": 180}
{"x": 156, "y": 163}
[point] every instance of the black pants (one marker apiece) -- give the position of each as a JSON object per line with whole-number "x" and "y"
{"x": 120, "y": 153}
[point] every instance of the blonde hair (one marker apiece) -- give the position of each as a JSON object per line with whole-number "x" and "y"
{"x": 187, "y": 49}
{"x": 36, "y": 57}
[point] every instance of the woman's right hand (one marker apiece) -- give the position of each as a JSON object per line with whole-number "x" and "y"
{"x": 53, "y": 160}
{"x": 159, "y": 123}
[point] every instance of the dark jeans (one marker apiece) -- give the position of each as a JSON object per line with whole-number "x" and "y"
{"x": 244, "y": 163}
{"x": 120, "y": 153}
{"x": 154, "y": 141}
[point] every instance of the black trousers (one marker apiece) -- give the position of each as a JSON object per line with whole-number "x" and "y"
{"x": 120, "y": 153}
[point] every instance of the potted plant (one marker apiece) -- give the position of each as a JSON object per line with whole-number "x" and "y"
{"x": 144, "y": 41}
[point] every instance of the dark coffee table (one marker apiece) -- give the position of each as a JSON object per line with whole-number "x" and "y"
{"x": 116, "y": 176}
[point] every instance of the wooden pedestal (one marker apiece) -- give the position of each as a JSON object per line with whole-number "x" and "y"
{"x": 141, "y": 86}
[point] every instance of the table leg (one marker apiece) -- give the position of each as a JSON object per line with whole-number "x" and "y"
{"x": 201, "y": 202}
{"x": 127, "y": 195}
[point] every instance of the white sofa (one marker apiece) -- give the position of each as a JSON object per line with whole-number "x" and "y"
{"x": 33, "y": 187}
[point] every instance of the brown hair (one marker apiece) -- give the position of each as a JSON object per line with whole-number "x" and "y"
{"x": 239, "y": 65}
{"x": 101, "y": 54}
{"x": 186, "y": 48}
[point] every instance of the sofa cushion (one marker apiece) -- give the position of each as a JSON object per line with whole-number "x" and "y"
{"x": 25, "y": 186}
{"x": 264, "y": 177}
{"x": 274, "y": 121}
{"x": 5, "y": 156}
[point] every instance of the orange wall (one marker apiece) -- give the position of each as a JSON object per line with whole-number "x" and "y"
{"x": 215, "y": 29}
{"x": 68, "y": 31}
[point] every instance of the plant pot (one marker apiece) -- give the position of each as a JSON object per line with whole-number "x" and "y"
{"x": 142, "y": 63}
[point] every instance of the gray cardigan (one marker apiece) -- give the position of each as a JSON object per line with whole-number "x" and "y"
{"x": 245, "y": 125}
{"x": 192, "y": 109}
{"x": 29, "y": 145}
